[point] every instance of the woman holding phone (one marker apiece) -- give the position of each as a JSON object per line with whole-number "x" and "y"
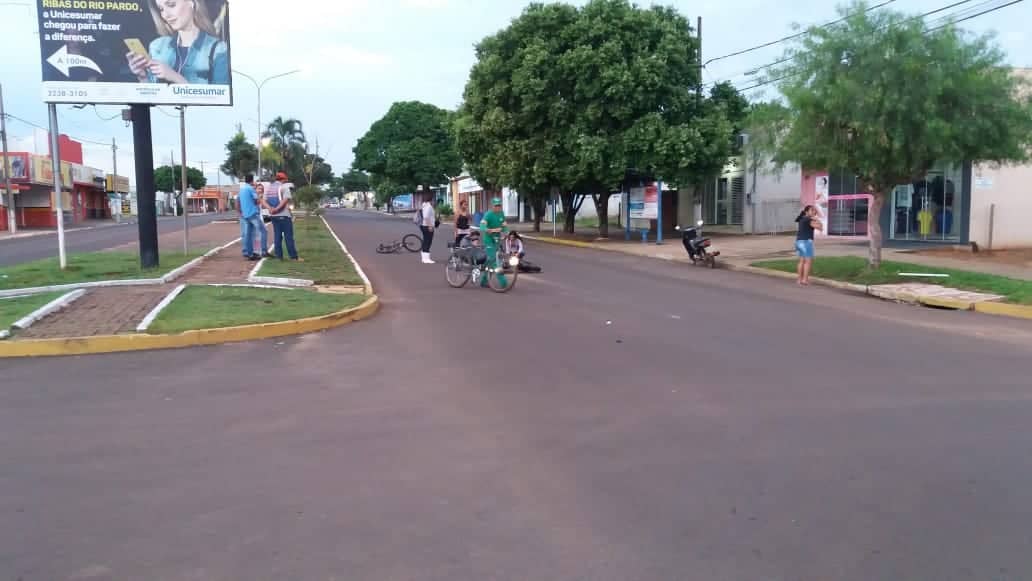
{"x": 188, "y": 50}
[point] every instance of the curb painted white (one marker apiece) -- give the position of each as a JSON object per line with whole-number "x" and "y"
{"x": 243, "y": 285}
{"x": 76, "y": 285}
{"x": 257, "y": 267}
{"x": 365, "y": 279}
{"x": 146, "y": 322}
{"x": 4, "y": 334}
{"x": 51, "y": 307}
{"x": 169, "y": 277}
{"x": 281, "y": 281}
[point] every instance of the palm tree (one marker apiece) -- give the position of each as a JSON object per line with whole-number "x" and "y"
{"x": 287, "y": 137}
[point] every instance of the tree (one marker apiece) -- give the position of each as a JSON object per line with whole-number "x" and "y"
{"x": 241, "y": 157}
{"x": 287, "y": 138}
{"x": 167, "y": 178}
{"x": 884, "y": 98}
{"x": 571, "y": 99}
{"x": 722, "y": 116}
{"x": 353, "y": 181}
{"x": 411, "y": 146}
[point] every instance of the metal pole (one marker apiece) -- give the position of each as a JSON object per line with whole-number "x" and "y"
{"x": 659, "y": 211}
{"x": 259, "y": 142}
{"x": 147, "y": 213}
{"x": 12, "y": 223}
{"x": 183, "y": 182}
{"x": 554, "y": 203}
{"x": 55, "y": 162}
{"x": 114, "y": 177}
{"x": 992, "y": 223}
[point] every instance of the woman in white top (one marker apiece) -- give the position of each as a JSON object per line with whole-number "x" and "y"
{"x": 427, "y": 225}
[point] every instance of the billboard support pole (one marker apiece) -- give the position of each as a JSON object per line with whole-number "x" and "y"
{"x": 182, "y": 180}
{"x": 147, "y": 216}
{"x": 55, "y": 162}
{"x": 12, "y": 222}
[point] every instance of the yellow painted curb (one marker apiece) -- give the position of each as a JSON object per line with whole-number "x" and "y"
{"x": 945, "y": 303}
{"x": 1005, "y": 310}
{"x": 142, "y": 341}
{"x": 574, "y": 243}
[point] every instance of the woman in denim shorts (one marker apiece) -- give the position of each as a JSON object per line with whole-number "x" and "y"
{"x": 808, "y": 224}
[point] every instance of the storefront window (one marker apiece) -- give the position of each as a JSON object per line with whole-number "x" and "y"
{"x": 931, "y": 208}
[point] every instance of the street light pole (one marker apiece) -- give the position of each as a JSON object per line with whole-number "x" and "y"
{"x": 258, "y": 85}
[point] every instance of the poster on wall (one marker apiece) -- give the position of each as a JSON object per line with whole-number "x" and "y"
{"x": 643, "y": 202}
{"x": 403, "y": 202}
{"x": 19, "y": 163}
{"x": 821, "y": 201}
{"x": 159, "y": 53}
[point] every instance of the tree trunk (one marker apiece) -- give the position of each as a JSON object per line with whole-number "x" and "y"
{"x": 874, "y": 229}
{"x": 569, "y": 212}
{"x": 540, "y": 207}
{"x": 602, "y": 210}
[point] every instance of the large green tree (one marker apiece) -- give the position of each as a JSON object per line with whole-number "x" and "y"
{"x": 168, "y": 178}
{"x": 241, "y": 157}
{"x": 411, "y": 146}
{"x": 576, "y": 98}
{"x": 885, "y": 98}
{"x": 352, "y": 181}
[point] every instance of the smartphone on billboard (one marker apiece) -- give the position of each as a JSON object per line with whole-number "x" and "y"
{"x": 137, "y": 47}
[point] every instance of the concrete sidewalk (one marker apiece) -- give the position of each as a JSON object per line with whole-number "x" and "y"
{"x": 742, "y": 250}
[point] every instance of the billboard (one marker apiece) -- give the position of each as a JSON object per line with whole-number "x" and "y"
{"x": 167, "y": 52}
{"x": 19, "y": 163}
{"x": 643, "y": 203}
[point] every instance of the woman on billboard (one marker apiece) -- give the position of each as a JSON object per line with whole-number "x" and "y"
{"x": 187, "y": 51}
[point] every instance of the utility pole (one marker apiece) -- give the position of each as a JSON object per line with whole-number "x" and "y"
{"x": 182, "y": 158}
{"x": 55, "y": 164}
{"x": 114, "y": 177}
{"x": 12, "y": 223}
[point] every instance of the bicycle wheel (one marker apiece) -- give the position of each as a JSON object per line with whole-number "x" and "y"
{"x": 384, "y": 249}
{"x": 456, "y": 272}
{"x": 500, "y": 281}
{"x": 412, "y": 242}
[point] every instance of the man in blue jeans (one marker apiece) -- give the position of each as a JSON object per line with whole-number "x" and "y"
{"x": 278, "y": 201}
{"x": 250, "y": 217}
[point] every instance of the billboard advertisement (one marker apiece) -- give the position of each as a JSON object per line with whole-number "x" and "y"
{"x": 159, "y": 52}
{"x": 643, "y": 203}
{"x": 19, "y": 163}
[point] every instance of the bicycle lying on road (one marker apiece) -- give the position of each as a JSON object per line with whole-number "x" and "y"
{"x": 470, "y": 263}
{"x": 410, "y": 242}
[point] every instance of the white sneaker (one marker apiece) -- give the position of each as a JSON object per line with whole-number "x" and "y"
{"x": 426, "y": 258}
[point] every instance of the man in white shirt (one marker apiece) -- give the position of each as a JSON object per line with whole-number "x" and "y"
{"x": 277, "y": 199}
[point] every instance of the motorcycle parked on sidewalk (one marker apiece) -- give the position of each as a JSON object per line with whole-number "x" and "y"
{"x": 700, "y": 249}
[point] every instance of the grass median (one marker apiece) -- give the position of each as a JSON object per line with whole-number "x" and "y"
{"x": 854, "y": 269}
{"x": 15, "y": 308}
{"x": 324, "y": 262}
{"x": 208, "y": 307}
{"x": 88, "y": 267}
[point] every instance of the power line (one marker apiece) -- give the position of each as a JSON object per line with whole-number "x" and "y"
{"x": 38, "y": 126}
{"x": 796, "y": 35}
{"x": 786, "y": 59}
{"x": 950, "y": 22}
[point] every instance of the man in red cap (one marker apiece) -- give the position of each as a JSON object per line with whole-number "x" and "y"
{"x": 277, "y": 198}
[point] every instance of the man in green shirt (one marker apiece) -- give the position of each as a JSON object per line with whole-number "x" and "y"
{"x": 492, "y": 229}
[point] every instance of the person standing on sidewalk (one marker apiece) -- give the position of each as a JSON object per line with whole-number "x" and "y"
{"x": 250, "y": 216}
{"x": 808, "y": 224}
{"x": 427, "y": 223}
{"x": 263, "y": 233}
{"x": 278, "y": 202}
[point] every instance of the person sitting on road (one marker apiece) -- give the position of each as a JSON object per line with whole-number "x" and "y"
{"x": 514, "y": 244}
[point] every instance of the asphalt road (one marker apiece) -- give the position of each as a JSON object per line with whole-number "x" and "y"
{"x": 722, "y": 427}
{"x": 18, "y": 250}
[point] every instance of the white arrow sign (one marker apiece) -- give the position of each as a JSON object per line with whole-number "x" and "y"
{"x": 64, "y": 62}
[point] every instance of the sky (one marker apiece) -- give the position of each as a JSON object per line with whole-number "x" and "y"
{"x": 359, "y": 56}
